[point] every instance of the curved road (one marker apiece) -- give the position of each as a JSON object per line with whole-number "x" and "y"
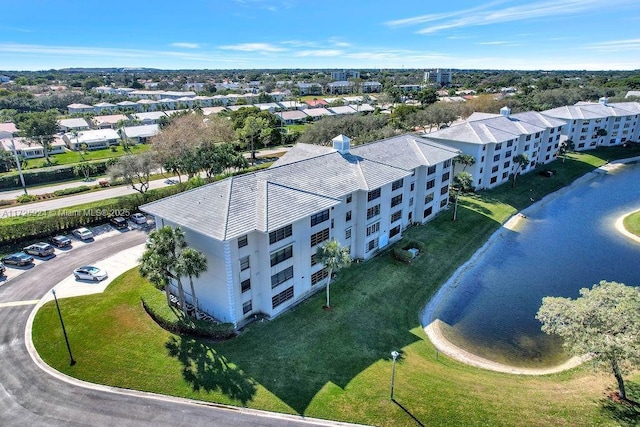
{"x": 30, "y": 396}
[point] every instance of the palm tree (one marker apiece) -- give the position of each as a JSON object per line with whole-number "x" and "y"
{"x": 565, "y": 147}
{"x": 160, "y": 262}
{"x": 334, "y": 257}
{"x": 462, "y": 181}
{"x": 465, "y": 160}
{"x": 521, "y": 161}
{"x": 192, "y": 264}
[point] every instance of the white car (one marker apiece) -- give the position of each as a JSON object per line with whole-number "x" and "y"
{"x": 89, "y": 272}
{"x": 139, "y": 218}
{"x": 83, "y": 233}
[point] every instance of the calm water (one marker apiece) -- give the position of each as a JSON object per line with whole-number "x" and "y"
{"x": 563, "y": 245}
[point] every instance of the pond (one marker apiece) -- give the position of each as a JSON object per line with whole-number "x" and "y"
{"x": 565, "y": 242}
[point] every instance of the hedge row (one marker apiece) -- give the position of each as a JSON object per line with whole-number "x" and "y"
{"x": 155, "y": 304}
{"x": 46, "y": 175}
{"x": 72, "y": 190}
{"x": 34, "y": 224}
{"x": 401, "y": 250}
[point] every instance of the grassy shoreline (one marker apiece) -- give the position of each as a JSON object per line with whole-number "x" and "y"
{"x": 336, "y": 364}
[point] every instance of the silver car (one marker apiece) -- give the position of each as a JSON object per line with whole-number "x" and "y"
{"x": 89, "y": 272}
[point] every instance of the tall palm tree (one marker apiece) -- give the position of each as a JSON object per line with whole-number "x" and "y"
{"x": 521, "y": 161}
{"x": 192, "y": 264}
{"x": 334, "y": 257}
{"x": 461, "y": 181}
{"x": 160, "y": 262}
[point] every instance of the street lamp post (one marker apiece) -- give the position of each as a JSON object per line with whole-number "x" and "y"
{"x": 64, "y": 331}
{"x": 395, "y": 355}
{"x": 19, "y": 166}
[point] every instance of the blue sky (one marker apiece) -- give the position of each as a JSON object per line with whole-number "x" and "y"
{"x": 214, "y": 34}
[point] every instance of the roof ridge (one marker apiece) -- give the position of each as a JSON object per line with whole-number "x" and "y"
{"x": 226, "y": 221}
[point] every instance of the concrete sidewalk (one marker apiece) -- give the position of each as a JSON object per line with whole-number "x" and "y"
{"x": 114, "y": 265}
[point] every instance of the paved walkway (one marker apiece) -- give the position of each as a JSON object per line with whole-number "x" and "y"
{"x": 432, "y": 325}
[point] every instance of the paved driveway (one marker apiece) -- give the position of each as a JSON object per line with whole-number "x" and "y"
{"x": 31, "y": 396}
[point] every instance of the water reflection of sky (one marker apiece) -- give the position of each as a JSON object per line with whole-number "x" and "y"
{"x": 563, "y": 245}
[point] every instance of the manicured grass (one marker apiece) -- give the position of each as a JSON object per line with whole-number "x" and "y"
{"x": 336, "y": 364}
{"x": 72, "y": 157}
{"x": 298, "y": 128}
{"x": 632, "y": 223}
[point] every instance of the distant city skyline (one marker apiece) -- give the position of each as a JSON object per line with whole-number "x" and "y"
{"x": 276, "y": 34}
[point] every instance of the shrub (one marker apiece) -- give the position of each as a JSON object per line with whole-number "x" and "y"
{"x": 409, "y": 244}
{"x": 26, "y": 198}
{"x": 174, "y": 321}
{"x": 72, "y": 190}
{"x": 402, "y": 255}
{"x": 45, "y": 175}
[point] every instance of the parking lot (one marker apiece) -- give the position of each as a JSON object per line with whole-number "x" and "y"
{"x": 103, "y": 231}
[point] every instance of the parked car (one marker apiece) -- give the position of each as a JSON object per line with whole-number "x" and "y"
{"x": 83, "y": 233}
{"x": 139, "y": 218}
{"x": 3, "y": 269}
{"x": 61, "y": 241}
{"x": 89, "y": 272}
{"x": 41, "y": 249}
{"x": 19, "y": 258}
{"x": 119, "y": 222}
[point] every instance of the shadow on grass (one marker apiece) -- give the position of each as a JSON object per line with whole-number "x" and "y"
{"x": 418, "y": 422}
{"x": 207, "y": 371}
{"x": 625, "y": 413}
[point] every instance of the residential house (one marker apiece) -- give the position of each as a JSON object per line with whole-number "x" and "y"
{"x": 129, "y": 106}
{"x": 342, "y": 110}
{"x": 151, "y": 117}
{"x": 104, "y": 108}
{"x": 30, "y": 150}
{"x": 317, "y": 113}
{"x": 73, "y": 125}
{"x": 292, "y": 117}
{"x": 260, "y": 231}
{"x": 140, "y": 134}
{"x": 601, "y": 124}
{"x": 110, "y": 121}
{"x": 79, "y": 109}
{"x": 495, "y": 139}
{"x": 8, "y": 130}
{"x": 94, "y": 139}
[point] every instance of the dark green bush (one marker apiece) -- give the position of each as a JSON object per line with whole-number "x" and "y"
{"x": 402, "y": 255}
{"x": 72, "y": 190}
{"x": 174, "y": 320}
{"x": 45, "y": 175}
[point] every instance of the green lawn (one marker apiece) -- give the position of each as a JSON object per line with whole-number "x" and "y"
{"x": 632, "y": 223}
{"x": 72, "y": 157}
{"x": 336, "y": 364}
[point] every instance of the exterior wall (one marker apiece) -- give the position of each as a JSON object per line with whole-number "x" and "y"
{"x": 620, "y": 129}
{"x": 220, "y": 290}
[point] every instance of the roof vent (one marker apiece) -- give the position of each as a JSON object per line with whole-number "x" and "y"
{"x": 341, "y": 144}
{"x": 505, "y": 111}
{"x": 604, "y": 100}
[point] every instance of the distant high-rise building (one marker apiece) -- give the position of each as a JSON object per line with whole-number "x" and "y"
{"x": 342, "y": 75}
{"x": 438, "y": 76}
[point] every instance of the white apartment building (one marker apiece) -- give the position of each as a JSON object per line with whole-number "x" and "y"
{"x": 438, "y": 76}
{"x": 599, "y": 124}
{"x": 260, "y": 231}
{"x": 494, "y": 139}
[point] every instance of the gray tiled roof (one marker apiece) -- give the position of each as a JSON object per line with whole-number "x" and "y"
{"x": 594, "y": 110}
{"x": 490, "y": 129}
{"x": 304, "y": 181}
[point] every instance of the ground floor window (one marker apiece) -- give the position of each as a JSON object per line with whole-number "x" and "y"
{"x": 394, "y": 231}
{"x": 247, "y": 307}
{"x": 282, "y": 297}
{"x": 318, "y": 276}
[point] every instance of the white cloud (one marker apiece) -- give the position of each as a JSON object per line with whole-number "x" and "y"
{"x": 492, "y": 14}
{"x": 253, "y": 47}
{"x": 320, "y": 52}
{"x": 615, "y": 45}
{"x": 186, "y": 45}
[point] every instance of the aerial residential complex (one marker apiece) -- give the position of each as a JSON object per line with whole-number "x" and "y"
{"x": 599, "y": 124}
{"x": 495, "y": 139}
{"x": 260, "y": 231}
